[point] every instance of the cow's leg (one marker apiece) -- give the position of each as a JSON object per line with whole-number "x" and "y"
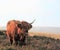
{"x": 11, "y": 39}
{"x": 23, "y": 40}
{"x": 16, "y": 38}
{"x": 16, "y": 42}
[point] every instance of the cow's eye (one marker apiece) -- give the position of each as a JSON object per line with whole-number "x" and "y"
{"x": 20, "y": 26}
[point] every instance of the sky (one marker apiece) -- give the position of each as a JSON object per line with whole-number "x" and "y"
{"x": 45, "y": 12}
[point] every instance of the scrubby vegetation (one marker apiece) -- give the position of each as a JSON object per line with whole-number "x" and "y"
{"x": 32, "y": 43}
{"x": 2, "y": 32}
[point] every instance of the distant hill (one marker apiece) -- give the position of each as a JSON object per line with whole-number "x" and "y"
{"x": 2, "y": 28}
{"x": 46, "y": 29}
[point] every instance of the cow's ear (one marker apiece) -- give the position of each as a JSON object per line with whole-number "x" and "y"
{"x": 19, "y": 25}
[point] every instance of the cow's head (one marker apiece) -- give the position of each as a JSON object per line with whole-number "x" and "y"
{"x": 25, "y": 26}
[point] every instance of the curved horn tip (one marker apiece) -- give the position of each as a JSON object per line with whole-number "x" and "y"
{"x": 33, "y": 21}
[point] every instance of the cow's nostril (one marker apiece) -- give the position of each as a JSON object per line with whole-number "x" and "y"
{"x": 27, "y": 31}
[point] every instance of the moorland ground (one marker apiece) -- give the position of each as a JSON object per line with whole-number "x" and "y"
{"x": 34, "y": 41}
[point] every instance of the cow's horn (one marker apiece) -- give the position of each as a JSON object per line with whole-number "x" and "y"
{"x": 32, "y": 21}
